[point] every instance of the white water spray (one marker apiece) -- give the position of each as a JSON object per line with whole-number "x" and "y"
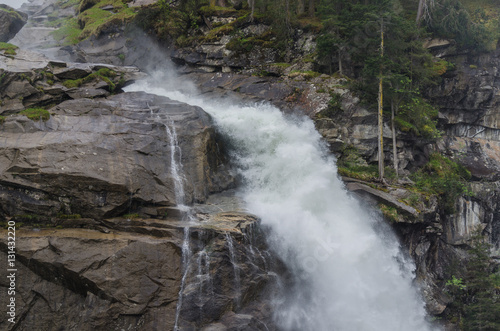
{"x": 348, "y": 269}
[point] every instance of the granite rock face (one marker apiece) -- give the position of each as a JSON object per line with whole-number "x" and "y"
{"x": 134, "y": 276}
{"x": 103, "y": 243}
{"x": 101, "y": 153}
{"x": 100, "y": 158}
{"x": 11, "y": 21}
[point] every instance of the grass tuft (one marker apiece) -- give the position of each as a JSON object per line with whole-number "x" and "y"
{"x": 35, "y": 114}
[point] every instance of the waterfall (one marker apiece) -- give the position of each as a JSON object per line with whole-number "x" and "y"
{"x": 349, "y": 272}
{"x": 178, "y": 181}
{"x": 236, "y": 269}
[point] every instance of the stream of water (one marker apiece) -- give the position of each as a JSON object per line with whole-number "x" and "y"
{"x": 349, "y": 272}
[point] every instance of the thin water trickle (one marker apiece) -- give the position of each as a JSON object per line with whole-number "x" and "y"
{"x": 186, "y": 212}
{"x": 236, "y": 269}
{"x": 204, "y": 277}
{"x": 175, "y": 163}
{"x": 346, "y": 265}
{"x": 186, "y": 256}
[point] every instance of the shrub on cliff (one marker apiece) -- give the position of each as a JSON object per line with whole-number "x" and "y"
{"x": 445, "y": 178}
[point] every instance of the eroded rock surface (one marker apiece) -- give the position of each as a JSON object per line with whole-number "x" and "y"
{"x": 11, "y": 21}
{"x": 82, "y": 279}
{"x": 100, "y": 158}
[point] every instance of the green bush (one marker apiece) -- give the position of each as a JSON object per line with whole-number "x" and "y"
{"x": 443, "y": 177}
{"x": 334, "y": 106}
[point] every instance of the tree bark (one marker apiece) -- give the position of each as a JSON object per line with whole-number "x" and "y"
{"x": 340, "y": 62}
{"x": 312, "y": 8}
{"x": 301, "y": 7}
{"x": 380, "y": 109}
{"x": 394, "y": 146}
{"x": 420, "y": 11}
{"x": 251, "y": 4}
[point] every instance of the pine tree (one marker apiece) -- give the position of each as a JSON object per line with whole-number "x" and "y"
{"x": 482, "y": 308}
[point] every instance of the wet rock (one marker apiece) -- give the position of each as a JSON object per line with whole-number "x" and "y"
{"x": 38, "y": 35}
{"x": 82, "y": 279}
{"x": 32, "y": 80}
{"x": 102, "y": 158}
{"x": 11, "y": 21}
{"x": 383, "y": 197}
{"x": 118, "y": 280}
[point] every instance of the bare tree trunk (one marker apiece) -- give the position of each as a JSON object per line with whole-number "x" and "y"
{"x": 251, "y": 4}
{"x": 380, "y": 109}
{"x": 394, "y": 146}
{"x": 340, "y": 61}
{"x": 287, "y": 6}
{"x": 312, "y": 7}
{"x": 301, "y": 7}
{"x": 420, "y": 11}
{"x": 424, "y": 10}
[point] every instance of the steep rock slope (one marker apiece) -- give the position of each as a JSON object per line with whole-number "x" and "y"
{"x": 130, "y": 276}
{"x": 78, "y": 153}
{"x": 11, "y": 21}
{"x": 468, "y": 113}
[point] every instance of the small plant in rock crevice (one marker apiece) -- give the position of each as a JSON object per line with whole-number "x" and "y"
{"x": 36, "y": 114}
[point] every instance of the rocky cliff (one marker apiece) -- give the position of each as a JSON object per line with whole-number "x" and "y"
{"x": 103, "y": 154}
{"x": 88, "y": 168}
{"x": 11, "y": 21}
{"x": 93, "y": 173}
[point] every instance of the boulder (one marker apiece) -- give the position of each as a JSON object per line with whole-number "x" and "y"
{"x": 100, "y": 158}
{"x": 82, "y": 279}
{"x": 11, "y": 21}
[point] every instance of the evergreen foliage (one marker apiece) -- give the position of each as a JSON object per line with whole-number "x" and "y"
{"x": 476, "y": 297}
{"x": 445, "y": 178}
{"x": 451, "y": 19}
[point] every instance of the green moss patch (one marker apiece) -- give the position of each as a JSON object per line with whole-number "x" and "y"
{"x": 239, "y": 44}
{"x": 217, "y": 11}
{"x": 12, "y": 12}
{"x": 104, "y": 74}
{"x": 35, "y": 114}
{"x": 91, "y": 20}
{"x": 67, "y": 3}
{"x": 217, "y": 33}
{"x": 68, "y": 33}
{"x": 8, "y": 49}
{"x": 69, "y": 216}
{"x": 390, "y": 213}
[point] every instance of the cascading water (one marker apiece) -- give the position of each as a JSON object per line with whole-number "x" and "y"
{"x": 236, "y": 270}
{"x": 178, "y": 181}
{"x": 349, "y": 273}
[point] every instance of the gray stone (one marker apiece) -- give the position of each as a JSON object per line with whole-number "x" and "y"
{"x": 11, "y": 21}
{"x": 104, "y": 155}
{"x": 130, "y": 277}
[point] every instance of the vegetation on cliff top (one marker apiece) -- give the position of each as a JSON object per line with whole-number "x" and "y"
{"x": 8, "y": 49}
{"x": 91, "y": 19}
{"x": 105, "y": 74}
{"x": 12, "y": 12}
{"x": 445, "y": 178}
{"x": 36, "y": 114}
